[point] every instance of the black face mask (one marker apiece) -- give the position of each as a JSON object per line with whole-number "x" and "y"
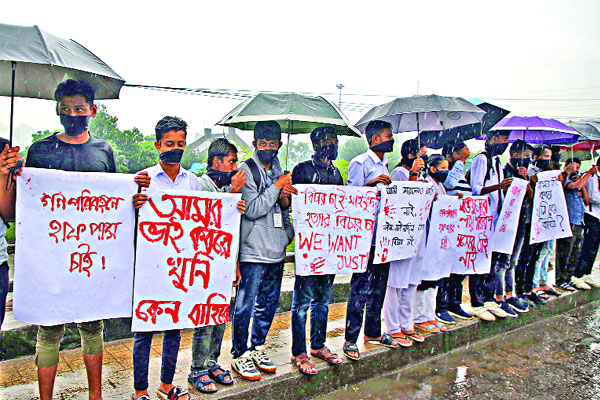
{"x": 496, "y": 149}
{"x": 222, "y": 178}
{"x": 328, "y": 151}
{"x": 384, "y": 147}
{"x": 574, "y": 176}
{"x": 542, "y": 164}
{"x": 74, "y": 126}
{"x": 171, "y": 156}
{"x": 519, "y": 162}
{"x": 439, "y": 176}
{"x": 407, "y": 162}
{"x": 266, "y": 156}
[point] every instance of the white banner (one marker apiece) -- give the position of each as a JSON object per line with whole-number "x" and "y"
{"x": 74, "y": 253}
{"x": 187, "y": 246}
{"x": 459, "y": 235}
{"x": 402, "y": 220}
{"x": 550, "y": 218}
{"x": 333, "y": 228}
{"x": 508, "y": 222}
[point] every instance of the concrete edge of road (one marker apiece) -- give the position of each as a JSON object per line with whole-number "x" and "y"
{"x": 292, "y": 385}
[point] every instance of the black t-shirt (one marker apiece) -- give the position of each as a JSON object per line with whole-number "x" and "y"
{"x": 314, "y": 171}
{"x": 95, "y": 155}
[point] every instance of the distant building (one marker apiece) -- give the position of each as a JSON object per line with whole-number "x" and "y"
{"x": 199, "y": 146}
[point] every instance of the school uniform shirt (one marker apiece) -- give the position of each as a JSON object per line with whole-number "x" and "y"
{"x": 593, "y": 189}
{"x": 456, "y": 182}
{"x": 159, "y": 180}
{"x": 478, "y": 182}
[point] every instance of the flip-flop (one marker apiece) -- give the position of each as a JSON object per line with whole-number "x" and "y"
{"x": 351, "y": 347}
{"x": 176, "y": 393}
{"x": 386, "y": 340}
{"x": 402, "y": 339}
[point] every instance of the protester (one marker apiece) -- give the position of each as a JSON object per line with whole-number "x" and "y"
{"x": 425, "y": 318}
{"x": 75, "y": 149}
{"x": 314, "y": 291}
{"x": 171, "y": 133}
{"x": 568, "y": 249}
{"x": 518, "y": 269}
{"x": 265, "y": 232}
{"x": 223, "y": 176}
{"x": 9, "y": 158}
{"x": 404, "y": 275}
{"x": 487, "y": 180}
{"x": 449, "y": 297}
{"x": 368, "y": 288}
{"x": 591, "y": 235}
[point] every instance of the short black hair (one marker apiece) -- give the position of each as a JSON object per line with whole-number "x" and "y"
{"x": 539, "y": 150}
{"x": 71, "y": 87}
{"x": 319, "y": 133}
{"x": 409, "y": 147}
{"x": 453, "y": 145}
{"x": 220, "y": 148}
{"x": 167, "y": 124}
{"x": 435, "y": 160}
{"x": 375, "y": 128}
{"x": 518, "y": 146}
{"x": 572, "y": 160}
{"x": 267, "y": 130}
{"x": 492, "y": 134}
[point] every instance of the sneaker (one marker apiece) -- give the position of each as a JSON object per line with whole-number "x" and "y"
{"x": 508, "y": 309}
{"x": 495, "y": 309}
{"x": 445, "y": 317}
{"x": 261, "y": 359}
{"x": 588, "y": 279}
{"x": 566, "y": 287}
{"x": 483, "y": 314}
{"x": 526, "y": 300}
{"x": 580, "y": 284}
{"x": 533, "y": 296}
{"x": 517, "y": 305}
{"x": 460, "y": 313}
{"x": 244, "y": 366}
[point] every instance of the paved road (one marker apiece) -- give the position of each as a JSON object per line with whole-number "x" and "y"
{"x": 557, "y": 358}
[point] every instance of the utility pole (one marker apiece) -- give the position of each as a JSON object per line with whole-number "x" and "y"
{"x": 340, "y": 87}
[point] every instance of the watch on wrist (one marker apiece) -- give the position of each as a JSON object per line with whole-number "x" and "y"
{"x": 411, "y": 173}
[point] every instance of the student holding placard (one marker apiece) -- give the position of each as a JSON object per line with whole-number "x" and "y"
{"x": 314, "y": 291}
{"x": 171, "y": 135}
{"x": 591, "y": 240}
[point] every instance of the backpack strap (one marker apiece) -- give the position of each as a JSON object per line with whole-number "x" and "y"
{"x": 489, "y": 166}
{"x": 255, "y": 173}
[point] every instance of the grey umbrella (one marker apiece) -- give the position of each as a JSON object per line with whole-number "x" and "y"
{"x": 33, "y": 62}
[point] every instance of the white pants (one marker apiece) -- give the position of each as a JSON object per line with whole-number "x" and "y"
{"x": 398, "y": 308}
{"x": 425, "y": 305}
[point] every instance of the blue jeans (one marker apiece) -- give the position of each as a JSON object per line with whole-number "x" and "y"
{"x": 449, "y": 295}
{"x": 206, "y": 348}
{"x": 3, "y": 289}
{"x": 142, "y": 341}
{"x": 312, "y": 292}
{"x": 257, "y": 298}
{"x": 494, "y": 284}
{"x": 367, "y": 291}
{"x": 540, "y": 276}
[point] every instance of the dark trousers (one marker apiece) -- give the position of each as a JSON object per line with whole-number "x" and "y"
{"x": 449, "y": 296}
{"x": 206, "y": 348}
{"x": 525, "y": 269}
{"x": 3, "y": 290}
{"x": 142, "y": 341}
{"x": 367, "y": 290}
{"x": 257, "y": 299}
{"x": 477, "y": 289}
{"x": 589, "y": 250}
{"x": 494, "y": 283}
{"x": 312, "y": 292}
{"x": 567, "y": 253}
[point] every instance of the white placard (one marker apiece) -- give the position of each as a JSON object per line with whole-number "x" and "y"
{"x": 333, "y": 228}
{"x": 550, "y": 217}
{"x": 74, "y": 252}
{"x": 186, "y": 255}
{"x": 402, "y": 220}
{"x": 508, "y": 222}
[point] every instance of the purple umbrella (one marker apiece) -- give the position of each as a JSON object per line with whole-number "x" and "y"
{"x": 536, "y": 130}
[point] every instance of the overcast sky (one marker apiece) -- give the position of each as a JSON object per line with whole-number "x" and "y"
{"x": 501, "y": 52}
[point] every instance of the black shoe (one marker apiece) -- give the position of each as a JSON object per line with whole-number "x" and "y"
{"x": 533, "y": 296}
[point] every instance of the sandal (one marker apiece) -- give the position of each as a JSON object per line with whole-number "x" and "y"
{"x": 176, "y": 393}
{"x": 440, "y": 326}
{"x": 415, "y": 336}
{"x": 402, "y": 339}
{"x": 427, "y": 327}
{"x": 351, "y": 347}
{"x": 386, "y": 340}
{"x": 196, "y": 381}
{"x": 140, "y": 397}
{"x": 220, "y": 378}
{"x": 302, "y": 360}
{"x": 326, "y": 355}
